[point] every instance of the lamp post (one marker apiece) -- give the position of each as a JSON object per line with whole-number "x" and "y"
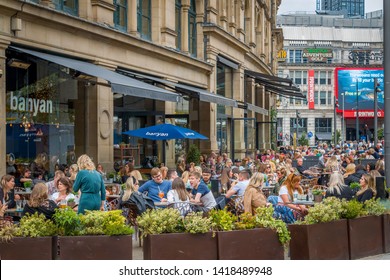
{"x": 376, "y": 90}
{"x": 334, "y": 119}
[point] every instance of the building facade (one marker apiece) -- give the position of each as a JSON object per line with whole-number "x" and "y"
{"x": 350, "y": 8}
{"x": 76, "y": 74}
{"x": 317, "y": 50}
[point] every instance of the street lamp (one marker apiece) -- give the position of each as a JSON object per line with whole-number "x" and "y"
{"x": 357, "y": 111}
{"x": 376, "y": 90}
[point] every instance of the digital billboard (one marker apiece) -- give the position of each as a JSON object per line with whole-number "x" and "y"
{"x": 354, "y": 89}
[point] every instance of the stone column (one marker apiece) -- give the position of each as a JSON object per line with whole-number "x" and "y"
{"x": 184, "y": 28}
{"x": 132, "y": 18}
{"x": 3, "y": 123}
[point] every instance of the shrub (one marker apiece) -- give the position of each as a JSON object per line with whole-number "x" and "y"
{"x": 352, "y": 209}
{"x": 193, "y": 155}
{"x": 160, "y": 221}
{"x": 67, "y": 221}
{"x": 374, "y": 207}
{"x": 222, "y": 220}
{"x": 35, "y": 226}
{"x": 196, "y": 223}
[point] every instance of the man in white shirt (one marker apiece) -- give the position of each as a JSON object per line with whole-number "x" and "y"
{"x": 239, "y": 188}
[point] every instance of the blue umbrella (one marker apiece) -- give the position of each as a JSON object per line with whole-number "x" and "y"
{"x": 165, "y": 132}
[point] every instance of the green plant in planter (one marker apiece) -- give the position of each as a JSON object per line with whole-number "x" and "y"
{"x": 67, "y": 221}
{"x": 195, "y": 223}
{"x": 35, "y": 225}
{"x": 316, "y": 192}
{"x": 111, "y": 175}
{"x": 246, "y": 221}
{"x": 373, "y": 207}
{"x": 264, "y": 218}
{"x": 167, "y": 220}
{"x": 27, "y": 184}
{"x": 327, "y": 211}
{"x": 223, "y": 220}
{"x": 104, "y": 223}
{"x": 355, "y": 186}
{"x": 193, "y": 155}
{"x": 7, "y": 230}
{"x": 352, "y": 209}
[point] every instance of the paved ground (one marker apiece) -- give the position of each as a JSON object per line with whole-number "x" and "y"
{"x": 138, "y": 255}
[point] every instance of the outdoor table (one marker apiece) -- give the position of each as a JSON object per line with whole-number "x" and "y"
{"x": 13, "y": 212}
{"x": 161, "y": 204}
{"x": 268, "y": 190}
{"x": 302, "y": 202}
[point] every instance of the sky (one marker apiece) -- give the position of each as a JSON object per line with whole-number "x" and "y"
{"x": 310, "y": 6}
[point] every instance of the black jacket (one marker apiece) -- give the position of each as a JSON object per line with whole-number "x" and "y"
{"x": 11, "y": 198}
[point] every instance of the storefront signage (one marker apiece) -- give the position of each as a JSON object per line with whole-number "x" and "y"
{"x": 282, "y": 55}
{"x": 364, "y": 56}
{"x": 33, "y": 105}
{"x": 310, "y": 89}
{"x": 317, "y": 55}
{"x": 354, "y": 89}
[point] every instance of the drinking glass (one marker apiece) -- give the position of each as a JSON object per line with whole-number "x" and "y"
{"x": 19, "y": 205}
{"x": 63, "y": 203}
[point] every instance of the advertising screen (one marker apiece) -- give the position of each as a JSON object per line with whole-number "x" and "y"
{"x": 354, "y": 89}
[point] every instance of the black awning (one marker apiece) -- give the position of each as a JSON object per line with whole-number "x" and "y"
{"x": 227, "y": 62}
{"x": 119, "y": 83}
{"x": 203, "y": 95}
{"x": 279, "y": 86}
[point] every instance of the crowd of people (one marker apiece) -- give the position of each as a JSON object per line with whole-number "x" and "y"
{"x": 241, "y": 182}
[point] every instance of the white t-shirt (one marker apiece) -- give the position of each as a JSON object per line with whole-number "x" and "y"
{"x": 173, "y": 196}
{"x": 283, "y": 190}
{"x": 55, "y": 195}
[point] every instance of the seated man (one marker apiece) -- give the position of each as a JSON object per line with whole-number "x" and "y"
{"x": 157, "y": 188}
{"x": 239, "y": 188}
{"x": 201, "y": 193}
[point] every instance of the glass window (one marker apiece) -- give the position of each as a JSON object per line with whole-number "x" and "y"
{"x": 304, "y": 77}
{"x": 298, "y": 56}
{"x": 68, "y": 6}
{"x": 316, "y": 77}
{"x": 178, "y": 23}
{"x": 144, "y": 18}
{"x": 192, "y": 29}
{"x": 322, "y": 78}
{"x": 291, "y": 56}
{"x": 323, "y": 98}
{"x": 302, "y": 126}
{"x": 120, "y": 14}
{"x": 44, "y": 108}
{"x": 224, "y": 86}
{"x": 316, "y": 98}
{"x": 323, "y": 125}
{"x": 298, "y": 77}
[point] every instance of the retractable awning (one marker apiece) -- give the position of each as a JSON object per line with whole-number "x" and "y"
{"x": 119, "y": 83}
{"x": 323, "y": 135}
{"x": 203, "y": 95}
{"x": 279, "y": 86}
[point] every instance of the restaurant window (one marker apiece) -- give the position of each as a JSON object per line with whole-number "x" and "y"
{"x": 67, "y": 6}
{"x": 44, "y": 108}
{"x": 192, "y": 29}
{"x": 144, "y": 18}
{"x": 120, "y": 14}
{"x": 178, "y": 23}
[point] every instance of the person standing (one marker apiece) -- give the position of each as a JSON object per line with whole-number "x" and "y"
{"x": 91, "y": 185}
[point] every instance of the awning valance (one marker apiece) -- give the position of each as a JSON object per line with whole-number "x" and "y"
{"x": 279, "y": 86}
{"x": 119, "y": 83}
{"x": 202, "y": 94}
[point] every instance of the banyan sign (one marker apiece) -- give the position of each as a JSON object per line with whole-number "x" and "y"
{"x": 317, "y": 55}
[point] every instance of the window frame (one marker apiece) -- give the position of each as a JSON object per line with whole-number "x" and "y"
{"x": 141, "y": 16}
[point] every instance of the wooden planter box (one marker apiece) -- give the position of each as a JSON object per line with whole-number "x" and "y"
{"x": 324, "y": 241}
{"x": 254, "y": 244}
{"x": 365, "y": 236}
{"x": 99, "y": 247}
{"x": 180, "y": 246}
{"x": 386, "y": 233}
{"x": 28, "y": 248}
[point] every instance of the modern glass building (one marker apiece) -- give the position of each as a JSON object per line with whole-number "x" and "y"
{"x": 350, "y": 8}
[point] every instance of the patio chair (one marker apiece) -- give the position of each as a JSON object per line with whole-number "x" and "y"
{"x": 184, "y": 207}
{"x": 130, "y": 212}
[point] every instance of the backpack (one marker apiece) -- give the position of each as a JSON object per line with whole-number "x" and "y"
{"x": 142, "y": 202}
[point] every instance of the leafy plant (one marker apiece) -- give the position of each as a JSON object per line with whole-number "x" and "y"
{"x": 329, "y": 210}
{"x": 303, "y": 141}
{"x": 111, "y": 175}
{"x": 104, "y": 223}
{"x": 193, "y": 155}
{"x": 352, "y": 209}
{"x": 246, "y": 221}
{"x": 355, "y": 186}
{"x": 67, "y": 221}
{"x": 316, "y": 192}
{"x": 160, "y": 221}
{"x": 223, "y": 220}
{"x": 35, "y": 225}
{"x": 7, "y": 230}
{"x": 264, "y": 218}
{"x": 373, "y": 207}
{"x": 195, "y": 223}
{"x": 27, "y": 184}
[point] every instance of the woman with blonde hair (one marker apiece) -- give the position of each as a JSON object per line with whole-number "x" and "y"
{"x": 73, "y": 170}
{"x": 131, "y": 186}
{"x": 39, "y": 202}
{"x": 337, "y": 188}
{"x": 136, "y": 174}
{"x": 91, "y": 185}
{"x": 7, "y": 193}
{"x": 367, "y": 188}
{"x": 253, "y": 195}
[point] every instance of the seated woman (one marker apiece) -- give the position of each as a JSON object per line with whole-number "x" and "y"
{"x": 337, "y": 188}
{"x": 285, "y": 210}
{"x": 39, "y": 202}
{"x": 253, "y": 196}
{"x": 367, "y": 188}
{"x": 179, "y": 197}
{"x": 131, "y": 195}
{"x": 7, "y": 192}
{"x": 64, "y": 191}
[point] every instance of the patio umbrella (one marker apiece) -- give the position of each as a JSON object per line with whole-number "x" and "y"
{"x": 165, "y": 131}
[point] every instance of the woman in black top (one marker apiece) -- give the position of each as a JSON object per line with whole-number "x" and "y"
{"x": 39, "y": 202}
{"x": 367, "y": 190}
{"x": 337, "y": 188}
{"x": 7, "y": 194}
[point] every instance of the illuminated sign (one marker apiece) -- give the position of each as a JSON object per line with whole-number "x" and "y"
{"x": 317, "y": 55}
{"x": 354, "y": 89}
{"x": 282, "y": 55}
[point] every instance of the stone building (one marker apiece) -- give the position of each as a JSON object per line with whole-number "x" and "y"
{"x": 76, "y": 74}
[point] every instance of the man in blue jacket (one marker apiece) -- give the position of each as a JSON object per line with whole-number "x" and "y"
{"x": 156, "y": 186}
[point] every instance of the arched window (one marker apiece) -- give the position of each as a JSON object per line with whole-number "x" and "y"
{"x": 178, "y": 23}
{"x": 68, "y": 6}
{"x": 120, "y": 14}
{"x": 192, "y": 29}
{"x": 144, "y": 18}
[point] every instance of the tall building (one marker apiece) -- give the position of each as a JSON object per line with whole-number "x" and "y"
{"x": 334, "y": 61}
{"x": 77, "y": 74}
{"x": 350, "y": 8}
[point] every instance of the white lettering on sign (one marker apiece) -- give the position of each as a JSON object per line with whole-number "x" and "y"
{"x": 368, "y": 114}
{"x": 30, "y": 105}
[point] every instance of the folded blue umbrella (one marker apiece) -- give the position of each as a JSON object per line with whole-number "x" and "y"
{"x": 165, "y": 132}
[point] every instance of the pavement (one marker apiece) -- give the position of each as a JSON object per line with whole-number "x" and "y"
{"x": 138, "y": 254}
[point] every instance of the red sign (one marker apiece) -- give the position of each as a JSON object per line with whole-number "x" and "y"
{"x": 310, "y": 89}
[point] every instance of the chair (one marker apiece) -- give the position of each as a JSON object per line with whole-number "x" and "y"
{"x": 130, "y": 212}
{"x": 236, "y": 205}
{"x": 184, "y": 207}
{"x": 112, "y": 204}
